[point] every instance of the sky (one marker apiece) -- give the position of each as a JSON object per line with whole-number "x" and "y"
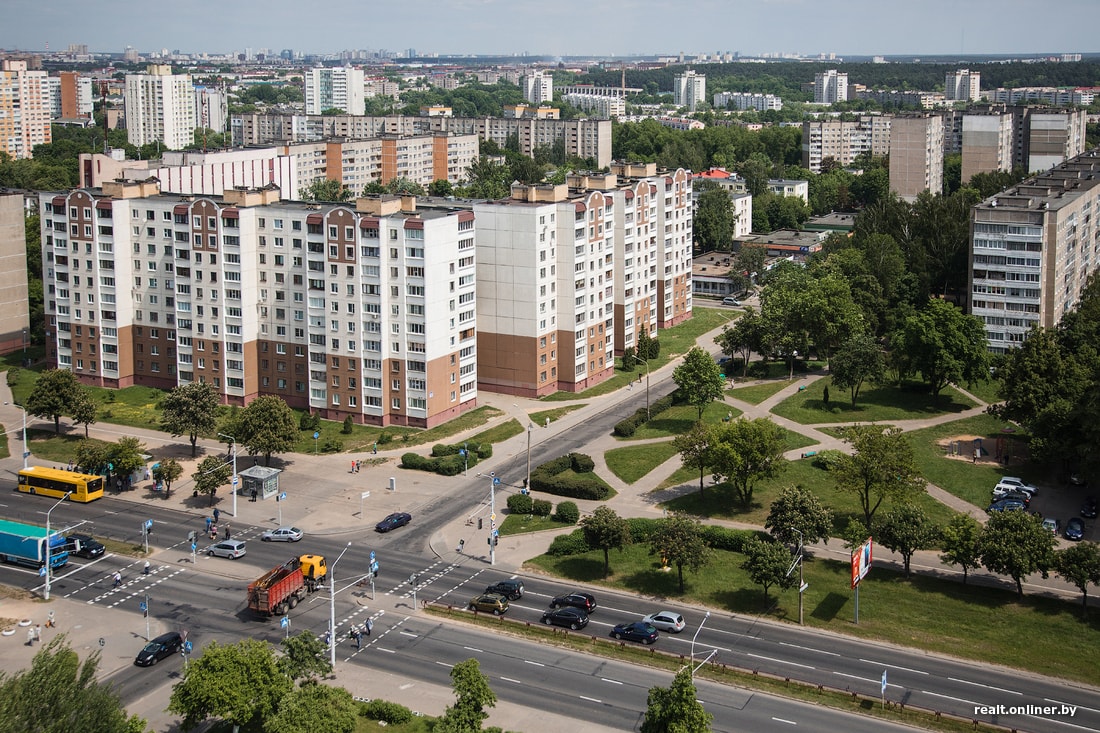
{"x": 560, "y": 27}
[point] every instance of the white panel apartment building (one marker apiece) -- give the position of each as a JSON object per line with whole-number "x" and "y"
{"x": 1033, "y": 248}
{"x": 830, "y": 86}
{"x": 689, "y": 90}
{"x": 364, "y": 310}
{"x": 340, "y": 87}
{"x": 538, "y": 87}
{"x": 604, "y": 106}
{"x": 844, "y": 141}
{"x": 747, "y": 100}
{"x": 160, "y": 106}
{"x": 962, "y": 85}
{"x": 24, "y": 109}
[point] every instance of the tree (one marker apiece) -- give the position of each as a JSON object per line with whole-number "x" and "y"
{"x": 166, "y": 472}
{"x": 679, "y": 541}
{"x": 1079, "y": 564}
{"x": 699, "y": 379}
{"x": 768, "y": 563}
{"x": 881, "y": 467}
{"x": 676, "y": 709}
{"x": 441, "y": 187}
{"x": 191, "y": 410}
{"x": 744, "y": 452}
{"x": 54, "y": 394}
{"x": 647, "y": 347}
{"x": 694, "y": 449}
{"x": 905, "y": 530}
{"x": 858, "y": 359}
{"x": 211, "y": 473}
{"x": 960, "y": 540}
{"x": 60, "y": 694}
{"x": 84, "y": 409}
{"x": 944, "y": 344}
{"x": 1015, "y": 543}
{"x": 265, "y": 427}
{"x": 745, "y": 337}
{"x": 314, "y": 708}
{"x": 798, "y": 508}
{"x": 325, "y": 189}
{"x": 748, "y": 264}
{"x": 91, "y": 455}
{"x": 605, "y": 530}
{"x": 305, "y": 657}
{"x": 714, "y": 219}
{"x": 240, "y": 683}
{"x": 127, "y": 456}
{"x": 473, "y": 694}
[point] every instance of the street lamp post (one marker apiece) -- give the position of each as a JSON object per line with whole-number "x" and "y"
{"x": 466, "y": 458}
{"x": 693, "y": 641}
{"x": 646, "y": 362}
{"x": 46, "y": 591}
{"x": 25, "y": 453}
{"x": 332, "y": 608}
{"x": 492, "y": 518}
{"x": 233, "y": 447}
{"x": 530, "y": 429}
{"x": 798, "y": 561}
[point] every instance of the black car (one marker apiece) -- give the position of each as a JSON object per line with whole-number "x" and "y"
{"x": 83, "y": 545}
{"x": 163, "y": 646}
{"x": 584, "y": 601}
{"x": 637, "y": 631}
{"x": 511, "y": 588}
{"x": 1075, "y": 529}
{"x": 1088, "y": 510}
{"x": 1006, "y": 505}
{"x": 393, "y": 521}
{"x": 570, "y": 618}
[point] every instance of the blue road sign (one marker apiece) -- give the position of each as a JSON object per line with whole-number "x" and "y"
{"x": 316, "y": 435}
{"x": 193, "y": 547}
{"x": 496, "y": 482}
{"x": 187, "y": 647}
{"x": 461, "y": 451}
{"x": 284, "y": 622}
{"x": 282, "y": 496}
{"x": 374, "y": 567}
{"x": 42, "y": 572}
{"x": 372, "y": 555}
{"x": 142, "y": 606}
{"x": 148, "y": 524}
{"x": 884, "y": 680}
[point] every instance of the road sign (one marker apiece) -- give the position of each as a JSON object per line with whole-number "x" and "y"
{"x": 148, "y": 524}
{"x": 193, "y": 547}
{"x": 284, "y": 622}
{"x": 461, "y": 451}
{"x": 884, "y": 680}
{"x": 372, "y": 555}
{"x": 282, "y": 496}
{"x": 26, "y": 454}
{"x": 496, "y": 532}
{"x": 42, "y": 572}
{"x": 803, "y": 587}
{"x": 492, "y": 473}
{"x": 142, "y": 606}
{"x": 316, "y": 435}
{"x": 496, "y": 482}
{"x": 187, "y": 647}
{"x": 234, "y": 481}
{"x": 374, "y": 567}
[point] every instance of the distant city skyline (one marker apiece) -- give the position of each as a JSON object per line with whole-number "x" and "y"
{"x": 563, "y": 28}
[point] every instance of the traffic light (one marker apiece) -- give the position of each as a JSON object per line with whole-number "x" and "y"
{"x": 479, "y": 522}
{"x": 191, "y": 536}
{"x": 495, "y": 540}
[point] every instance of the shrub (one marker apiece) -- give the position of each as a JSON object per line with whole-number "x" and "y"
{"x": 13, "y": 376}
{"x": 541, "y": 508}
{"x": 332, "y": 445}
{"x": 414, "y": 460}
{"x": 569, "y": 544}
{"x": 724, "y": 538}
{"x": 520, "y": 504}
{"x": 441, "y": 449}
{"x": 567, "y": 513}
{"x": 548, "y": 478}
{"x": 485, "y": 450}
{"x": 625, "y": 428}
{"x": 641, "y": 528}
{"x": 828, "y": 459}
{"x": 582, "y": 463}
{"x": 349, "y": 426}
{"x": 383, "y": 710}
{"x": 384, "y": 438}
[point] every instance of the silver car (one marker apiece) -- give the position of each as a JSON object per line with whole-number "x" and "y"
{"x": 227, "y": 548}
{"x": 666, "y": 621}
{"x": 282, "y": 534}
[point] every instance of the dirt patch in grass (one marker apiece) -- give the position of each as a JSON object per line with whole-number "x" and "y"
{"x": 961, "y": 448}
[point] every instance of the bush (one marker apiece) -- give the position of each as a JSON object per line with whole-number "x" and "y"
{"x": 384, "y": 438}
{"x": 567, "y": 513}
{"x": 332, "y": 445}
{"x": 828, "y": 459}
{"x": 569, "y": 544}
{"x": 520, "y": 504}
{"x": 582, "y": 463}
{"x": 414, "y": 460}
{"x": 548, "y": 478}
{"x": 349, "y": 426}
{"x": 541, "y": 508}
{"x": 383, "y": 710}
{"x": 485, "y": 450}
{"x": 724, "y": 538}
{"x": 641, "y": 529}
{"x": 626, "y": 428}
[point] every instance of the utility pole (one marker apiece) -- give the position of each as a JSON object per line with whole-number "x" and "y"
{"x": 492, "y": 518}
{"x": 233, "y": 447}
{"x": 49, "y": 558}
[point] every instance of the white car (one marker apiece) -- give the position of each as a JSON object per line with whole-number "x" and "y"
{"x": 282, "y": 534}
{"x": 1011, "y": 483}
{"x": 228, "y": 548}
{"x": 666, "y": 621}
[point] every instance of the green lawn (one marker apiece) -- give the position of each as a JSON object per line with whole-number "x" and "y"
{"x": 985, "y": 391}
{"x": 985, "y": 623}
{"x": 539, "y": 418}
{"x": 875, "y": 404}
{"x": 498, "y": 433}
{"x": 718, "y": 501}
{"x": 634, "y": 461}
{"x": 690, "y": 476}
{"x": 521, "y": 523}
{"x": 757, "y": 393}
{"x": 679, "y": 419}
{"x": 795, "y": 440}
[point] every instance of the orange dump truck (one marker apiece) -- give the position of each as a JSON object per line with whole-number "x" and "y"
{"x": 280, "y": 589}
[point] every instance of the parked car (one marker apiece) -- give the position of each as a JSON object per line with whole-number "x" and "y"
{"x": 1088, "y": 510}
{"x": 512, "y": 588}
{"x": 393, "y": 521}
{"x": 1019, "y": 483}
{"x": 227, "y": 548}
{"x": 730, "y": 301}
{"x": 636, "y": 631}
{"x": 666, "y": 621}
{"x": 1075, "y": 529}
{"x": 1053, "y": 525}
{"x": 584, "y": 601}
{"x": 282, "y": 534}
{"x": 570, "y": 618}
{"x": 1017, "y": 495}
{"x": 1078, "y": 479}
{"x": 163, "y": 646}
{"x": 1000, "y": 491}
{"x": 1006, "y": 505}
{"x": 493, "y": 603}
{"x": 83, "y": 545}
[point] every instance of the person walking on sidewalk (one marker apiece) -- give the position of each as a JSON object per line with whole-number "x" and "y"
{"x": 369, "y": 625}
{"x": 217, "y": 514}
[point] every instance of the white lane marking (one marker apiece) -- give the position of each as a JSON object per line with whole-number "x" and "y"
{"x": 509, "y": 679}
{"x": 783, "y": 720}
{"x": 444, "y": 664}
{"x": 893, "y": 666}
{"x": 387, "y": 651}
{"x": 808, "y": 649}
{"x": 988, "y": 687}
{"x": 591, "y": 699}
{"x": 473, "y": 649}
{"x": 614, "y": 682}
{"x": 410, "y": 633}
{"x": 948, "y": 697}
{"x": 537, "y": 664}
{"x": 781, "y": 661}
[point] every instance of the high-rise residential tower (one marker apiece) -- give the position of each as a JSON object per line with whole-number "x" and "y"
{"x": 340, "y": 87}
{"x": 160, "y": 107}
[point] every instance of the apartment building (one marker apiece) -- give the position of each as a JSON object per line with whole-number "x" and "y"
{"x": 963, "y": 85}
{"x": 747, "y": 100}
{"x": 830, "y": 87}
{"x": 74, "y": 96}
{"x": 987, "y": 143}
{"x": 916, "y": 155}
{"x": 14, "y": 301}
{"x": 596, "y": 91}
{"x": 584, "y": 138}
{"x": 844, "y": 140}
{"x": 1054, "y": 136}
{"x": 211, "y": 108}
{"x": 24, "y": 109}
{"x": 538, "y": 87}
{"x": 367, "y": 310}
{"x": 689, "y": 89}
{"x": 740, "y": 199}
{"x": 340, "y": 87}
{"x": 1057, "y": 96}
{"x": 1033, "y": 248}
{"x": 160, "y": 107}
{"x": 603, "y": 107}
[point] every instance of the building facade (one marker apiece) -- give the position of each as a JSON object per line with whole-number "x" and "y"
{"x": 1033, "y": 248}
{"x": 963, "y": 85}
{"x": 340, "y": 87}
{"x": 844, "y": 140}
{"x": 24, "y": 109}
{"x": 986, "y": 143}
{"x": 160, "y": 107}
{"x": 14, "y": 300}
{"x": 747, "y": 100}
{"x": 916, "y": 155}
{"x": 830, "y": 87}
{"x": 365, "y": 310}
{"x": 689, "y": 90}
{"x": 538, "y": 87}
{"x": 1054, "y": 136}
{"x": 604, "y": 107}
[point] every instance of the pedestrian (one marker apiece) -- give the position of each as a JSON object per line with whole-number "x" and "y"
{"x": 358, "y": 639}
{"x": 253, "y": 494}
{"x": 217, "y": 514}
{"x": 226, "y": 531}
{"x": 209, "y": 521}
{"x": 977, "y": 452}
{"x": 369, "y": 625}
{"x": 375, "y": 449}
{"x": 461, "y": 544}
{"x": 630, "y": 386}
{"x": 50, "y": 623}
{"x": 213, "y": 532}
{"x": 118, "y": 579}
{"x": 30, "y": 636}
{"x": 145, "y": 570}
{"x": 353, "y": 467}
{"x": 38, "y": 632}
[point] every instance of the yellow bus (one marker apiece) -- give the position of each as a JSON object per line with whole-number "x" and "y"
{"x": 57, "y": 483}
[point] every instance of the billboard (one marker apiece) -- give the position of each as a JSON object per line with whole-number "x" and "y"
{"x": 861, "y": 562}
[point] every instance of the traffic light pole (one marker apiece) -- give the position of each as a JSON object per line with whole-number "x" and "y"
{"x": 492, "y": 518}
